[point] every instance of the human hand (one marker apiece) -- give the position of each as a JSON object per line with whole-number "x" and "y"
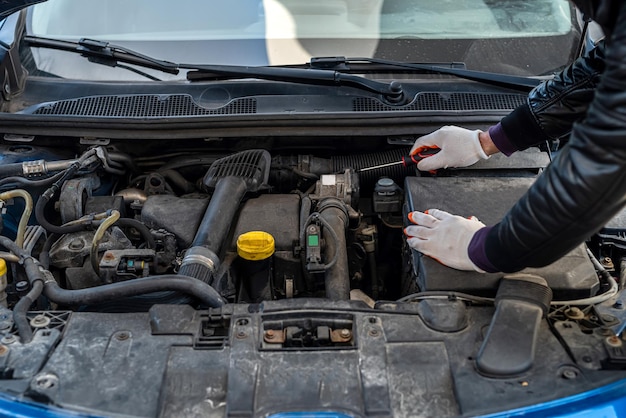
{"x": 443, "y": 236}
{"x": 459, "y": 148}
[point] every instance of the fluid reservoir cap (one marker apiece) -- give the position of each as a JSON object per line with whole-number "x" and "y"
{"x": 3, "y": 267}
{"x": 255, "y": 245}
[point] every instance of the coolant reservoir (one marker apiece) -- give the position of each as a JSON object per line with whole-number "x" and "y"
{"x": 255, "y": 249}
{"x": 3, "y": 282}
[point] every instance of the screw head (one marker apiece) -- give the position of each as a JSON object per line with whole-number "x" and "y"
{"x": 108, "y": 256}
{"x": 269, "y": 334}
{"x": 569, "y": 374}
{"x": 8, "y": 339}
{"x": 46, "y": 381}
{"x": 122, "y": 335}
{"x": 614, "y": 341}
{"x": 40, "y": 321}
{"x": 77, "y": 244}
{"x": 345, "y": 333}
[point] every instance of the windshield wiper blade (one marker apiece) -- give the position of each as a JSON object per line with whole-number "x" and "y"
{"x": 496, "y": 79}
{"x": 104, "y": 53}
{"x": 391, "y": 91}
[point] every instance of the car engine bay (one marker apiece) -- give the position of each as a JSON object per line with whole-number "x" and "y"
{"x": 258, "y": 249}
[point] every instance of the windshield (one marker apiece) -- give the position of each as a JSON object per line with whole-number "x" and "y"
{"x": 528, "y": 38}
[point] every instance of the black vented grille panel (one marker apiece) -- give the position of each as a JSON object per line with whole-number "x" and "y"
{"x": 253, "y": 166}
{"x": 142, "y": 106}
{"x": 445, "y": 101}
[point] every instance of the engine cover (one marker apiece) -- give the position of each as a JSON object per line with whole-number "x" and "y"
{"x": 488, "y": 198}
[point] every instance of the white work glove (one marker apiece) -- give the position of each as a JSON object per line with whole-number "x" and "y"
{"x": 444, "y": 237}
{"x": 459, "y": 148}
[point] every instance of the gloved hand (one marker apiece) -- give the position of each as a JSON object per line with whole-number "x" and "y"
{"x": 459, "y": 148}
{"x": 443, "y": 236}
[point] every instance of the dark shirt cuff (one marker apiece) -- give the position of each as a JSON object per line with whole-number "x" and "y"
{"x": 476, "y": 251}
{"x": 501, "y": 141}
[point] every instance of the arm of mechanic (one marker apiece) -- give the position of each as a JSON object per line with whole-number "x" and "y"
{"x": 550, "y": 220}
{"x": 548, "y": 114}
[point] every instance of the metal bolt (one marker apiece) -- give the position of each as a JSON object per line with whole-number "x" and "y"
{"x": 569, "y": 374}
{"x": 269, "y": 334}
{"x": 40, "y": 321}
{"x": 345, "y": 333}
{"x": 8, "y": 339}
{"x": 241, "y": 334}
{"x": 524, "y": 383}
{"x": 374, "y": 333}
{"x": 587, "y": 359}
{"x": 122, "y": 336}
{"x": 606, "y": 332}
{"x": 108, "y": 256}
{"x": 77, "y": 244}
{"x": 614, "y": 341}
{"x": 574, "y": 313}
{"x": 46, "y": 381}
{"x": 608, "y": 318}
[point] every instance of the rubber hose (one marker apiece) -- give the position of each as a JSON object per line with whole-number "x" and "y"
{"x": 44, "y": 255}
{"x": 56, "y": 229}
{"x": 95, "y": 242}
{"x": 31, "y": 183}
{"x": 140, "y": 227}
{"x": 28, "y": 209}
{"x": 185, "y": 284}
{"x": 13, "y": 247}
{"x": 337, "y": 280}
{"x": 9, "y": 257}
{"x": 219, "y": 214}
{"x": 36, "y": 279}
{"x": 21, "y": 308}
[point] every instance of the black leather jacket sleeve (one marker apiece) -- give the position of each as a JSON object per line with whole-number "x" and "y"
{"x": 552, "y": 107}
{"x": 583, "y": 187}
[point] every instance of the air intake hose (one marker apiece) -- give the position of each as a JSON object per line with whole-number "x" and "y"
{"x": 201, "y": 259}
{"x": 231, "y": 177}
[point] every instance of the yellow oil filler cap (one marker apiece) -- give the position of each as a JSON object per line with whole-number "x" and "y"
{"x": 255, "y": 245}
{"x": 3, "y": 267}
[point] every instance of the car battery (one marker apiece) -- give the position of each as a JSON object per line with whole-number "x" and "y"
{"x": 489, "y": 199}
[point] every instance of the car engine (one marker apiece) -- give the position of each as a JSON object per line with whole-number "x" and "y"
{"x": 256, "y": 226}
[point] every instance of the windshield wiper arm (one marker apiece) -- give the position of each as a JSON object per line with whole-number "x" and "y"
{"x": 104, "y": 53}
{"x": 496, "y": 79}
{"x": 391, "y": 91}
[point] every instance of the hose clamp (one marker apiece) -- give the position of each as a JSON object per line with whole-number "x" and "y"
{"x": 203, "y": 256}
